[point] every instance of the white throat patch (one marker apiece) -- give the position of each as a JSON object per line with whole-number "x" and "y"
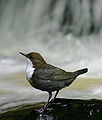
{"x": 29, "y": 69}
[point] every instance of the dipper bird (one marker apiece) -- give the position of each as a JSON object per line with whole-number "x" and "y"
{"x": 46, "y": 77}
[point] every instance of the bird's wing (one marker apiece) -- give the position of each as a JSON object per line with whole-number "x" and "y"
{"x": 52, "y": 73}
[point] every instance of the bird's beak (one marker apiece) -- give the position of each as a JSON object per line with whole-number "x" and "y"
{"x": 23, "y": 54}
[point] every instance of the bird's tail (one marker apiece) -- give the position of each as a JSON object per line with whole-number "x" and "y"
{"x": 79, "y": 72}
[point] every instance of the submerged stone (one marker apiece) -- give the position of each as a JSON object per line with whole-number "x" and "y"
{"x": 61, "y": 109}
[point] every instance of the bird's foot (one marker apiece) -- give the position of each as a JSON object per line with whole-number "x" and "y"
{"x": 49, "y": 109}
{"x": 41, "y": 110}
{"x": 44, "y": 108}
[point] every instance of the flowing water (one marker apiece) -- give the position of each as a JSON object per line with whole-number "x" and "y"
{"x": 67, "y": 33}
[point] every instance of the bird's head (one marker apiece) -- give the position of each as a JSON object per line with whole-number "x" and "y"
{"x": 36, "y": 59}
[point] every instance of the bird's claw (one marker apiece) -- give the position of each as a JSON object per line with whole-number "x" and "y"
{"x": 41, "y": 110}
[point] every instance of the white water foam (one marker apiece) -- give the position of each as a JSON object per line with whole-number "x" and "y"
{"x": 10, "y": 66}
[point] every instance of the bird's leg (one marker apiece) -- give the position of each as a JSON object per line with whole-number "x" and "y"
{"x": 55, "y": 96}
{"x": 50, "y": 95}
{"x": 45, "y": 106}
